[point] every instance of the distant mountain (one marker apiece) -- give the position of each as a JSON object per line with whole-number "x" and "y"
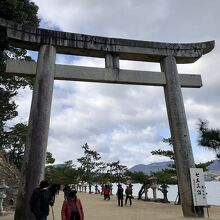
{"x": 152, "y": 167}
{"x": 211, "y": 174}
{"x": 215, "y": 166}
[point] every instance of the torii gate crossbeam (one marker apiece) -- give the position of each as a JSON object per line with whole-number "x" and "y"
{"x": 49, "y": 42}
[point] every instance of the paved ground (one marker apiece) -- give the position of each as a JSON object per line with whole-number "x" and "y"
{"x": 95, "y": 208}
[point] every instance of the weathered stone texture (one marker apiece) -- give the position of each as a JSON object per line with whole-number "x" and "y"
{"x": 32, "y": 38}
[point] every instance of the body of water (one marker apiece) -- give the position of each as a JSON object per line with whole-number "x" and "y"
{"x": 212, "y": 189}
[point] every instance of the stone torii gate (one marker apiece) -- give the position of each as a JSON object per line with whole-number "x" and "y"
{"x": 49, "y": 42}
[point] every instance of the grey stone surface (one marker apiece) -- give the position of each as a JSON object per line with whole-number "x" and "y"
{"x": 179, "y": 133}
{"x": 103, "y": 75}
{"x": 38, "y": 129}
{"x": 32, "y": 38}
{"x": 3, "y": 188}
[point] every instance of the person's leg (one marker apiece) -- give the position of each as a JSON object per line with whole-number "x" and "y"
{"x": 121, "y": 202}
{"x": 126, "y": 199}
{"x": 130, "y": 200}
{"x": 118, "y": 202}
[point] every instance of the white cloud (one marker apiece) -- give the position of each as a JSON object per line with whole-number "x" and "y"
{"x": 126, "y": 122}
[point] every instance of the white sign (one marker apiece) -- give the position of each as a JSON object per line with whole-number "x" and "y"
{"x": 198, "y": 187}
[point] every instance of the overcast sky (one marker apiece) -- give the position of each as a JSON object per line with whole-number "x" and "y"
{"x": 127, "y": 122}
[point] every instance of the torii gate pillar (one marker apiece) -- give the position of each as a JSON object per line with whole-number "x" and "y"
{"x": 38, "y": 128}
{"x": 180, "y": 134}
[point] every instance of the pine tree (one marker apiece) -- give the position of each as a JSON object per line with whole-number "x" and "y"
{"x": 209, "y": 137}
{"x": 24, "y": 12}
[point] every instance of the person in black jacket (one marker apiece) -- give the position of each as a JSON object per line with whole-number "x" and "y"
{"x": 40, "y": 200}
{"x": 120, "y": 195}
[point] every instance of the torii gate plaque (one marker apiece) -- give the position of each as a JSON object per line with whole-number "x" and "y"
{"x": 49, "y": 42}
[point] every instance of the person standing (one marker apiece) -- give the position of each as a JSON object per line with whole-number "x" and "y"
{"x": 120, "y": 195}
{"x": 106, "y": 192}
{"x": 72, "y": 207}
{"x": 66, "y": 190}
{"x": 128, "y": 193}
{"x": 40, "y": 200}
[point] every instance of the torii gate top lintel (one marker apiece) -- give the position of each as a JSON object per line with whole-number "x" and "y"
{"x": 31, "y": 38}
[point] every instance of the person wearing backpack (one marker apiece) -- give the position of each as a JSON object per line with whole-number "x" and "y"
{"x": 40, "y": 201}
